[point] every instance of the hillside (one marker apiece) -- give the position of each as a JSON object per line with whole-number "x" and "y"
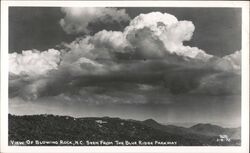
{"x": 214, "y": 130}
{"x": 106, "y": 129}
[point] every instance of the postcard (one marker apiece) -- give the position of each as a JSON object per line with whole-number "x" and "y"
{"x": 124, "y": 76}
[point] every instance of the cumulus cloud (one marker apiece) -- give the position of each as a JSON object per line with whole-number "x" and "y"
{"x": 230, "y": 63}
{"x": 169, "y": 31}
{"x": 154, "y": 20}
{"x": 77, "y": 20}
{"x": 153, "y": 35}
{"x": 110, "y": 39}
{"x": 33, "y": 62}
{"x": 147, "y": 56}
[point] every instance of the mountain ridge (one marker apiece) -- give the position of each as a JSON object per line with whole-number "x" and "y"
{"x": 48, "y": 127}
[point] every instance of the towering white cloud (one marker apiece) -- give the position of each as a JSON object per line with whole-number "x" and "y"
{"x": 76, "y": 20}
{"x": 171, "y": 32}
{"x": 156, "y": 21}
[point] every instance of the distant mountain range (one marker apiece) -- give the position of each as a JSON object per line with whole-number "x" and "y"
{"x": 201, "y": 129}
{"x": 49, "y": 128}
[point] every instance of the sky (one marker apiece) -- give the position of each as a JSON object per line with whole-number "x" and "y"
{"x": 171, "y": 64}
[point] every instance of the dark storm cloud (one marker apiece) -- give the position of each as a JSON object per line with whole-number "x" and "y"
{"x": 184, "y": 80}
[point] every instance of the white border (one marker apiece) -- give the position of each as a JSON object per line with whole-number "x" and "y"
{"x": 244, "y": 148}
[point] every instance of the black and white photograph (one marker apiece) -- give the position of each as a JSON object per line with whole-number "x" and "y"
{"x": 124, "y": 76}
